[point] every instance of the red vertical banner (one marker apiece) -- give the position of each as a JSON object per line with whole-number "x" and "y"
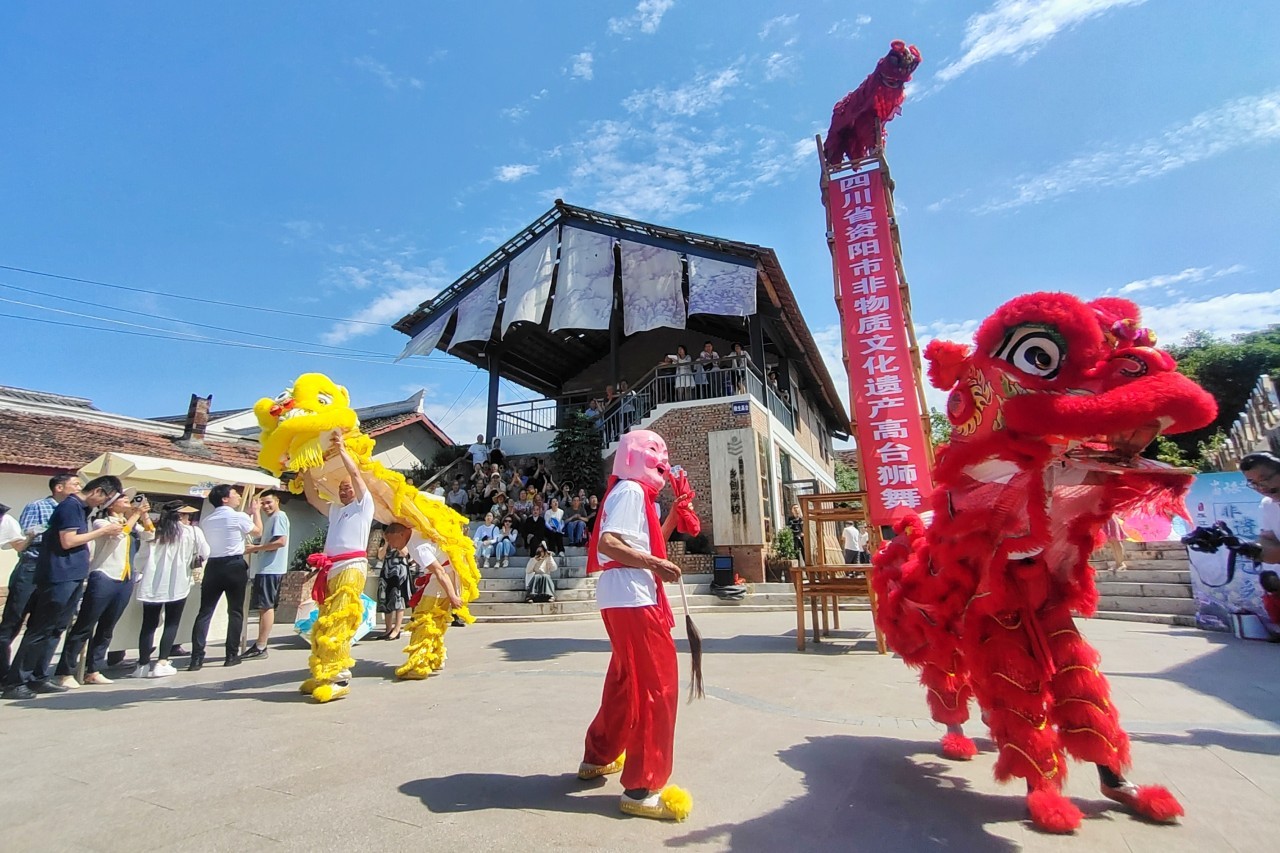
{"x": 883, "y": 389}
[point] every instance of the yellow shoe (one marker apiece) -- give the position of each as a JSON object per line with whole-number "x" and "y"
{"x": 671, "y": 803}
{"x": 330, "y": 692}
{"x": 595, "y": 771}
{"x": 309, "y": 686}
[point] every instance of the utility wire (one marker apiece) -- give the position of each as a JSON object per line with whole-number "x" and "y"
{"x": 168, "y": 335}
{"x": 349, "y": 350}
{"x": 189, "y": 298}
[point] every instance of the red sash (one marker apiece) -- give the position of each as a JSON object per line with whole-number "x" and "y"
{"x": 324, "y": 562}
{"x": 657, "y": 545}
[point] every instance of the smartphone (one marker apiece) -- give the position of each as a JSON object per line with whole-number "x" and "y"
{"x": 139, "y": 499}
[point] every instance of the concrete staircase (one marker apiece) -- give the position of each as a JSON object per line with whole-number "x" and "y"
{"x": 502, "y": 593}
{"x": 1155, "y": 588}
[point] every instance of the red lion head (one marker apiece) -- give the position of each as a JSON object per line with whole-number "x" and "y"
{"x": 1050, "y": 367}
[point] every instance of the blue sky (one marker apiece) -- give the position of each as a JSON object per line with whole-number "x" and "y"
{"x": 344, "y": 162}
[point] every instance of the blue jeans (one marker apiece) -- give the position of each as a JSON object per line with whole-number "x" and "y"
{"x": 576, "y": 532}
{"x": 104, "y": 601}
{"x": 484, "y": 552}
{"x": 17, "y": 607}
{"x": 505, "y": 549}
{"x": 53, "y": 607}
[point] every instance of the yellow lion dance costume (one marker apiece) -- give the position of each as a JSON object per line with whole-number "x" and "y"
{"x": 295, "y": 429}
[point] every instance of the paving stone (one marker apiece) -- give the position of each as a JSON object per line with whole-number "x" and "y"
{"x": 831, "y": 749}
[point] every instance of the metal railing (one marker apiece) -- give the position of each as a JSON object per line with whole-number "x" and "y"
{"x": 730, "y": 377}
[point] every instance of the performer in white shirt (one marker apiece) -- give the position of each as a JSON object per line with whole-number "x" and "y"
{"x": 340, "y": 580}
{"x": 637, "y": 715}
{"x": 434, "y": 599}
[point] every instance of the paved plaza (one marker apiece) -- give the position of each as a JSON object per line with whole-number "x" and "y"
{"x": 829, "y": 749}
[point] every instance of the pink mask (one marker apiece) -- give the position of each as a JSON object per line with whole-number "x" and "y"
{"x": 642, "y": 456}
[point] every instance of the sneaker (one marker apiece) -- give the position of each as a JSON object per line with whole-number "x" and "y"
{"x": 505, "y": 562}
{"x": 142, "y": 670}
{"x": 19, "y": 691}
{"x": 232, "y": 660}
{"x": 96, "y": 678}
{"x": 160, "y": 670}
{"x": 253, "y": 652}
{"x": 66, "y": 682}
{"x": 457, "y": 622}
{"x": 178, "y": 652}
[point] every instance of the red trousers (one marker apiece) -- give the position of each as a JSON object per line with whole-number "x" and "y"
{"x": 638, "y": 709}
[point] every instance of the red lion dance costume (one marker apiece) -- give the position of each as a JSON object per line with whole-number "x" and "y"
{"x": 1049, "y": 412}
{"x": 857, "y": 121}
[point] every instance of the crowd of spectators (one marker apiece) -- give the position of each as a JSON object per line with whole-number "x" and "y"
{"x": 519, "y": 503}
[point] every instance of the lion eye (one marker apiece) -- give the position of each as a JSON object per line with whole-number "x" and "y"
{"x": 1035, "y": 351}
{"x": 324, "y": 399}
{"x": 282, "y": 396}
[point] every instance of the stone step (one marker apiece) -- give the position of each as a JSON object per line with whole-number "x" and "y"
{"x": 517, "y": 595}
{"x": 1151, "y": 618}
{"x": 1147, "y": 590}
{"x": 1164, "y": 545}
{"x": 500, "y": 584}
{"x": 1153, "y": 565}
{"x": 1131, "y": 554}
{"x": 1141, "y": 604}
{"x": 572, "y": 611}
{"x": 1145, "y": 576}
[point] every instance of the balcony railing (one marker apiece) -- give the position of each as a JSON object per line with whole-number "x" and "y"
{"x": 731, "y": 377}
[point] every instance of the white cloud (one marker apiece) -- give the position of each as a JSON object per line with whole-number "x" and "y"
{"x": 781, "y": 22}
{"x": 389, "y": 78}
{"x": 303, "y": 229}
{"x": 1189, "y": 275}
{"x": 514, "y": 172}
{"x": 581, "y": 65}
{"x": 849, "y": 29}
{"x": 705, "y": 91}
{"x": 646, "y": 18}
{"x": 663, "y": 168}
{"x": 1222, "y": 316}
{"x": 1019, "y": 28}
{"x": 401, "y": 290}
{"x": 516, "y": 113}
{"x": 779, "y": 65}
{"x": 1251, "y": 120}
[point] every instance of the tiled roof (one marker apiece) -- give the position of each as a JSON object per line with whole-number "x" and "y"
{"x": 29, "y": 396}
{"x": 67, "y": 442}
{"x": 375, "y": 427}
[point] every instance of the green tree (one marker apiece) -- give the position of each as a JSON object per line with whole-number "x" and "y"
{"x": 1228, "y": 370}
{"x": 575, "y": 454}
{"x": 846, "y": 478}
{"x": 312, "y": 545}
{"x": 939, "y": 427}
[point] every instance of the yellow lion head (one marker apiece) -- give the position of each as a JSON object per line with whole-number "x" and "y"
{"x": 296, "y": 422}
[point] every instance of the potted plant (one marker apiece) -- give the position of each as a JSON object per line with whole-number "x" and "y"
{"x": 782, "y": 556}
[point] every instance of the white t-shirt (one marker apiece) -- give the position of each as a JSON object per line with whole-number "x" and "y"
{"x": 479, "y": 453}
{"x": 349, "y": 526}
{"x": 854, "y": 539}
{"x": 10, "y": 531}
{"x": 424, "y": 552}
{"x": 1269, "y": 520}
{"x": 226, "y": 528}
{"x": 624, "y": 515}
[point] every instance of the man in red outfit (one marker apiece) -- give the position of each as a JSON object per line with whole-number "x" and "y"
{"x": 634, "y": 730}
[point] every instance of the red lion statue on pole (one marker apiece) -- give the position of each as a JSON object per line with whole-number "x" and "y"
{"x": 1049, "y": 412}
{"x": 857, "y": 121}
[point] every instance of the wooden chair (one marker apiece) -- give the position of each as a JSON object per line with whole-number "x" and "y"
{"x": 822, "y": 582}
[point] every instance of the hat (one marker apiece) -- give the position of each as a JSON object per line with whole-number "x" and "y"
{"x": 187, "y": 509}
